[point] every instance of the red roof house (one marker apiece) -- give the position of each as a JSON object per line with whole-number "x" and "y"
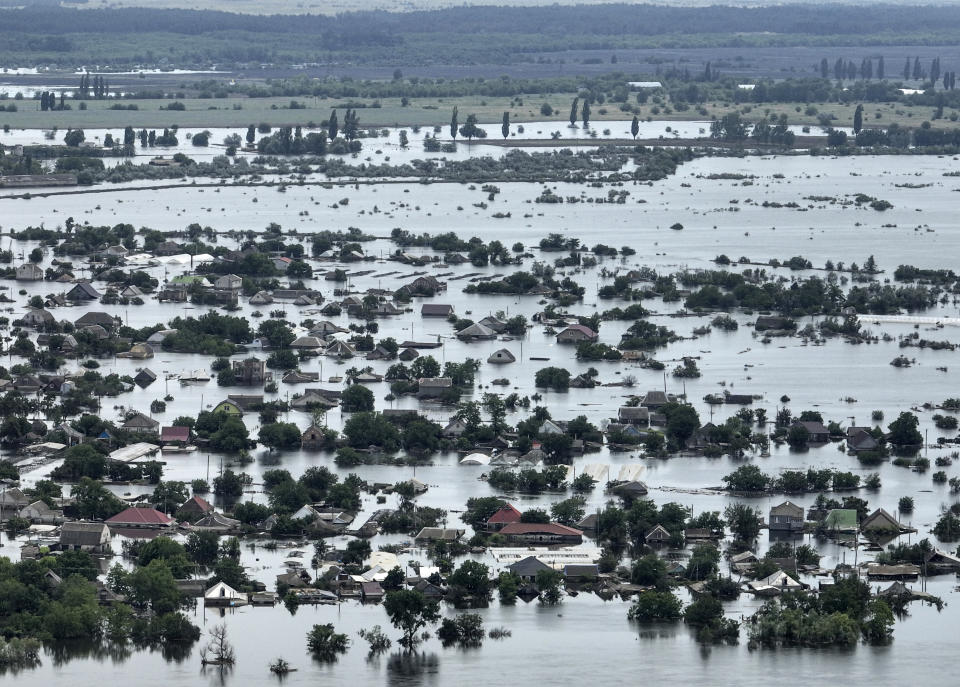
{"x": 175, "y": 434}
{"x": 541, "y": 533}
{"x": 504, "y": 516}
{"x": 196, "y": 506}
{"x": 140, "y": 517}
{"x": 577, "y": 333}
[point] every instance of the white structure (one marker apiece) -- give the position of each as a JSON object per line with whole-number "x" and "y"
{"x": 222, "y": 594}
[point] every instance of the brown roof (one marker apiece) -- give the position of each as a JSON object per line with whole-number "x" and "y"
{"x": 140, "y": 516}
{"x": 196, "y": 503}
{"x": 175, "y": 433}
{"x": 540, "y": 528}
{"x": 506, "y": 514}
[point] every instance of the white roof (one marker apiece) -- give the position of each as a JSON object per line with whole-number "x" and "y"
{"x": 184, "y": 259}
{"x": 476, "y": 459}
{"x": 552, "y": 557}
{"x": 222, "y": 591}
{"x": 374, "y": 574}
{"x": 384, "y": 559}
{"x": 139, "y": 259}
{"x": 644, "y": 84}
{"x": 778, "y": 580}
{"x": 133, "y": 452}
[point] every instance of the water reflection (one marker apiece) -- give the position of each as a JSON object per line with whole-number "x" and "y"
{"x": 62, "y": 653}
{"x": 412, "y": 668}
{"x": 218, "y": 674}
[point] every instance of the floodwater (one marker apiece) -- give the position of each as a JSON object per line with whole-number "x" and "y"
{"x": 584, "y": 636}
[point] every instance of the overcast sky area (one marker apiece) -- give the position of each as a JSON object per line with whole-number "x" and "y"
{"x": 336, "y": 6}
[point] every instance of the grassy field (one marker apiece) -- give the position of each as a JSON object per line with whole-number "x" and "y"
{"x": 241, "y": 112}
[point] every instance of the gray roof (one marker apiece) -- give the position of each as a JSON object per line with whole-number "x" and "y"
{"x": 787, "y": 508}
{"x": 437, "y": 309}
{"x": 83, "y": 533}
{"x": 634, "y": 413}
{"x": 528, "y": 567}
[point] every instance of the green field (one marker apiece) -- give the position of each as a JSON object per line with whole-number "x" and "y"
{"x": 211, "y": 113}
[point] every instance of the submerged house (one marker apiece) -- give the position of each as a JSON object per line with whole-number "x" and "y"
{"x": 141, "y": 518}
{"x": 880, "y": 521}
{"x": 142, "y": 424}
{"x": 312, "y": 439}
{"x": 841, "y": 520}
{"x": 222, "y": 594}
{"x": 433, "y": 387}
{"x": 504, "y": 516}
{"x": 775, "y": 584}
{"x": 251, "y": 372}
{"x": 195, "y": 506}
{"x": 577, "y": 333}
{"x": 658, "y": 535}
{"x": 83, "y": 291}
{"x": 787, "y": 517}
{"x": 93, "y": 537}
{"x": 29, "y": 271}
{"x": 541, "y": 533}
{"x": 527, "y": 568}
{"x": 501, "y": 357}
{"x": 436, "y": 310}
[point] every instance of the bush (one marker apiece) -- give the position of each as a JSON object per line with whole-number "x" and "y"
{"x": 325, "y": 644}
{"x": 652, "y": 606}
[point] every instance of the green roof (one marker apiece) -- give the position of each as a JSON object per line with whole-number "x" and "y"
{"x": 187, "y": 279}
{"x": 841, "y": 519}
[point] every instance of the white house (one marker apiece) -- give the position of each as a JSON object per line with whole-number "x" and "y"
{"x": 222, "y": 594}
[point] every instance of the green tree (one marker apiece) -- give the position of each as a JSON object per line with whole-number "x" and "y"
{"x": 410, "y": 611}
{"x": 73, "y": 138}
{"x": 655, "y": 606}
{"x": 172, "y": 553}
{"x": 169, "y": 496}
{"x": 288, "y": 497}
{"x": 569, "y": 511}
{"x": 878, "y": 626}
{"x": 280, "y": 435}
{"x": 356, "y": 399}
{"x": 904, "y": 432}
{"x": 508, "y": 585}
{"x": 471, "y": 130}
{"x": 649, "y": 571}
{"x": 94, "y": 501}
{"x": 454, "y": 123}
{"x": 202, "y": 547}
{"x": 277, "y": 333}
{"x": 231, "y": 437}
{"x": 549, "y": 583}
{"x": 743, "y": 521}
{"x": 333, "y": 127}
{"x": 585, "y": 113}
{"x": 635, "y": 127}
{"x": 505, "y": 126}
{"x": 729, "y": 128}
{"x": 573, "y": 112}
{"x": 153, "y": 586}
{"x": 858, "y": 119}
{"x": 325, "y": 644}
{"x": 473, "y": 578}
{"x": 371, "y": 429}
{"x": 228, "y": 485}
{"x": 682, "y": 421}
